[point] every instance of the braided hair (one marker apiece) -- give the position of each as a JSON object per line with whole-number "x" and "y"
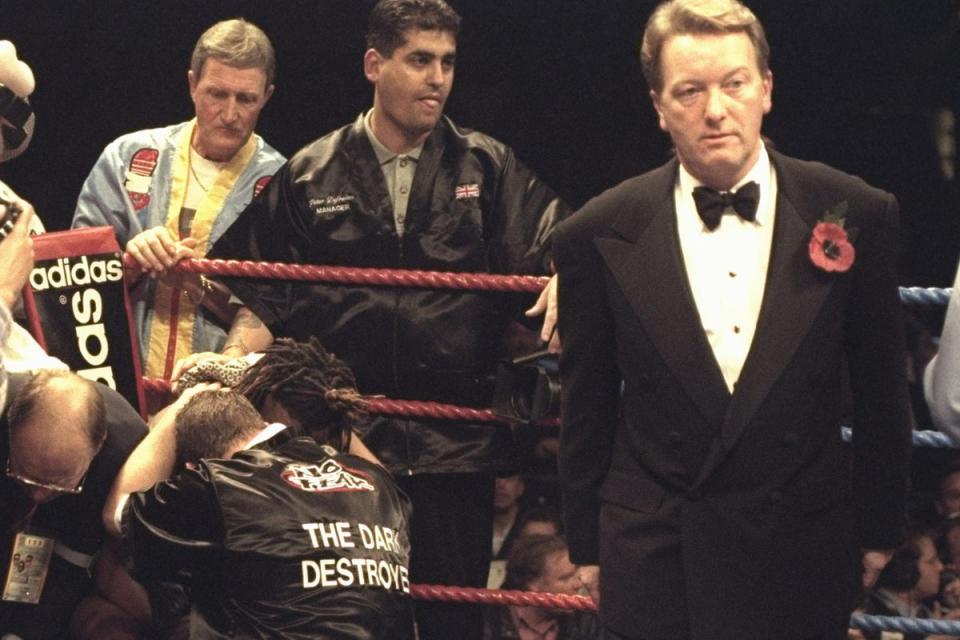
{"x": 316, "y": 388}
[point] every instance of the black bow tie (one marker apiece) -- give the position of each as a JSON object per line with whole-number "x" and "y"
{"x": 711, "y": 204}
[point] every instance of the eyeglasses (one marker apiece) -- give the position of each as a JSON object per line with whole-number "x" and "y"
{"x": 16, "y": 477}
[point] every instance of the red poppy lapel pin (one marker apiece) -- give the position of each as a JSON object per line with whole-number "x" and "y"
{"x": 830, "y": 249}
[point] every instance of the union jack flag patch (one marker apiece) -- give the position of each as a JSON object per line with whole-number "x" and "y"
{"x": 467, "y": 191}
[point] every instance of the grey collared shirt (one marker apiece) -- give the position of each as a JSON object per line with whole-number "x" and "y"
{"x": 398, "y": 171}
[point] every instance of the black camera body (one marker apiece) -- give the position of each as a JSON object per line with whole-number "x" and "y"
{"x": 527, "y": 388}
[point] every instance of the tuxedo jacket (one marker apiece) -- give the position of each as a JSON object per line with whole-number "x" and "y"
{"x": 716, "y": 515}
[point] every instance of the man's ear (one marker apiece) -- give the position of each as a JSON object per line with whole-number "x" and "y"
{"x": 767, "y": 87}
{"x": 372, "y": 61}
{"x": 655, "y": 98}
{"x": 192, "y": 81}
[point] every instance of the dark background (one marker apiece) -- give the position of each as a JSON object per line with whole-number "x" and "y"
{"x": 559, "y": 80}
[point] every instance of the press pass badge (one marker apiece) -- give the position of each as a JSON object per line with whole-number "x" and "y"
{"x": 28, "y": 568}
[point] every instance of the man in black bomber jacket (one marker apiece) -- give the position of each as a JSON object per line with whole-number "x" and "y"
{"x": 404, "y": 187}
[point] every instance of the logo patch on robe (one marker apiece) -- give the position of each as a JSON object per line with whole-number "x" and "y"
{"x": 139, "y": 176}
{"x": 260, "y": 184}
{"x": 463, "y": 191}
{"x": 326, "y": 477}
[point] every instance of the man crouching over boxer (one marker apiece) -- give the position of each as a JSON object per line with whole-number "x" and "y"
{"x": 290, "y": 539}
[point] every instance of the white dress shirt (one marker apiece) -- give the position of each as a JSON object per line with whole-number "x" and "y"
{"x": 727, "y": 267}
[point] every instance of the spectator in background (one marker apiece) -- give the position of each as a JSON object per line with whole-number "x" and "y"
{"x": 947, "y": 502}
{"x": 907, "y": 586}
{"x": 533, "y": 521}
{"x": 949, "y": 596}
{"x": 542, "y": 520}
{"x": 540, "y": 564}
{"x": 508, "y": 491}
{"x": 170, "y": 193}
{"x": 512, "y": 520}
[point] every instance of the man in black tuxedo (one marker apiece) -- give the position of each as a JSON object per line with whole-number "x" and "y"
{"x": 703, "y": 364}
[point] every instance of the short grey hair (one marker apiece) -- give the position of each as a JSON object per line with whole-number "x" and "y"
{"x": 236, "y": 43}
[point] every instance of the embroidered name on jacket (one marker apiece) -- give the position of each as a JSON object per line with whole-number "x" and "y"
{"x": 385, "y": 567}
{"x": 325, "y": 477}
{"x": 328, "y": 206}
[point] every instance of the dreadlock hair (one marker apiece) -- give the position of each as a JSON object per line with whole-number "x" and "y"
{"x": 315, "y": 387}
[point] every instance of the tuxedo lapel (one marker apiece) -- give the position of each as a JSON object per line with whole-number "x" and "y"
{"x": 647, "y": 264}
{"x": 793, "y": 296}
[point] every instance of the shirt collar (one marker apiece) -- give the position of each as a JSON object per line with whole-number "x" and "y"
{"x": 268, "y": 432}
{"x": 384, "y": 155}
{"x": 761, "y": 173}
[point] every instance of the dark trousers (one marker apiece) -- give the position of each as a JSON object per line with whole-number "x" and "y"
{"x": 450, "y": 537}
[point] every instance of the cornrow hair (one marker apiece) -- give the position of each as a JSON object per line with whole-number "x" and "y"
{"x": 315, "y": 387}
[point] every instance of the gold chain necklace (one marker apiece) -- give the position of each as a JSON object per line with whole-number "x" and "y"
{"x": 193, "y": 172}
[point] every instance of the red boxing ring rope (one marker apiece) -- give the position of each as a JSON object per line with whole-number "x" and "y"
{"x": 355, "y": 275}
{"x": 387, "y": 406}
{"x": 414, "y": 408}
{"x": 443, "y": 593}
